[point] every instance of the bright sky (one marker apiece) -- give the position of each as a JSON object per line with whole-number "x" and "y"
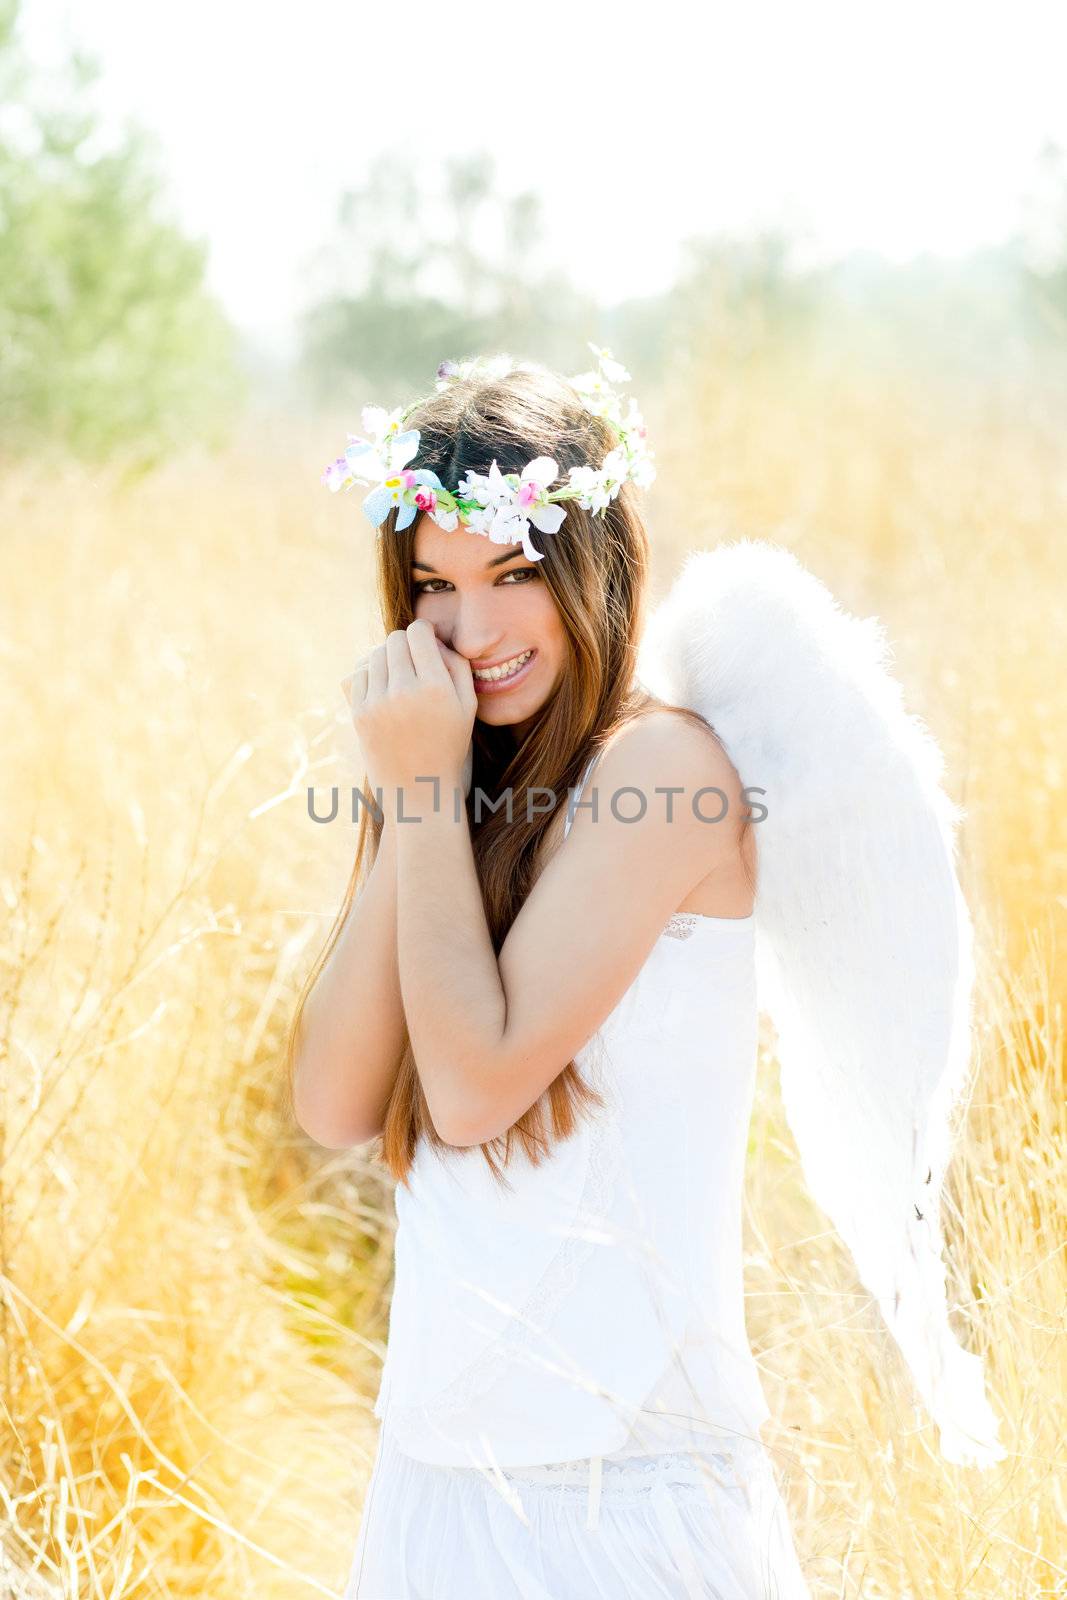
{"x": 901, "y": 127}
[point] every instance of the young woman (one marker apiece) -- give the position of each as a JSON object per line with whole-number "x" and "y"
{"x": 542, "y": 1000}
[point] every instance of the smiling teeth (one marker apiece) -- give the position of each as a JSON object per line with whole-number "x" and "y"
{"x": 506, "y": 668}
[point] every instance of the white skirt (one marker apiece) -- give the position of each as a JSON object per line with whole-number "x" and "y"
{"x": 670, "y": 1527}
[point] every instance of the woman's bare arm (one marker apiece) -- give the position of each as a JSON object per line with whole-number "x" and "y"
{"x": 490, "y": 1034}
{"x": 352, "y": 1032}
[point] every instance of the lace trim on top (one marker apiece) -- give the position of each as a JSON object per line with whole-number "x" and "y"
{"x": 692, "y": 1475}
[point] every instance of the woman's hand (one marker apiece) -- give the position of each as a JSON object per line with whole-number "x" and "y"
{"x": 413, "y": 707}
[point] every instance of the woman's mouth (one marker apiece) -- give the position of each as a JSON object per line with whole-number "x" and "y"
{"x": 506, "y": 675}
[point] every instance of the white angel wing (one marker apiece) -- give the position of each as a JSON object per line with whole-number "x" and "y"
{"x": 863, "y": 937}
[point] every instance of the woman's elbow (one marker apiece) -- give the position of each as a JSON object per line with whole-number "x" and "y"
{"x": 327, "y": 1123}
{"x": 333, "y": 1134}
{"x": 463, "y": 1119}
{"x": 476, "y": 1108}
{"x": 459, "y": 1128}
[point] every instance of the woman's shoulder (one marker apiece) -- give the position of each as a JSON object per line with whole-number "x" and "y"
{"x": 670, "y": 751}
{"x": 655, "y": 751}
{"x": 663, "y": 763}
{"x": 672, "y": 740}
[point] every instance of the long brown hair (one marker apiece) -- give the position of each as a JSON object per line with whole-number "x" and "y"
{"x": 597, "y": 568}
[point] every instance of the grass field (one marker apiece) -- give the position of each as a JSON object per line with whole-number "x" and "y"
{"x": 194, "y": 1296}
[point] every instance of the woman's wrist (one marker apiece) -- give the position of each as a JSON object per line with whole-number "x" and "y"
{"x": 408, "y": 803}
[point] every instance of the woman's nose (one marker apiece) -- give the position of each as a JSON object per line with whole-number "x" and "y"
{"x": 473, "y": 633}
{"x": 472, "y": 647}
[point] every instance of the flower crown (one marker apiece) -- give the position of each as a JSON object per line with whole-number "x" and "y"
{"x": 501, "y": 505}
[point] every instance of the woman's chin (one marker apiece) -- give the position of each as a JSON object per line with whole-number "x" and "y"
{"x": 500, "y": 715}
{"x": 519, "y": 716}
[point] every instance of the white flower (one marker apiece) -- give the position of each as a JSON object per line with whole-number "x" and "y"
{"x": 448, "y": 520}
{"x": 547, "y": 519}
{"x": 595, "y": 493}
{"x": 633, "y": 422}
{"x": 582, "y": 477}
{"x": 642, "y": 470}
{"x": 614, "y": 466}
{"x": 612, "y": 369}
{"x": 479, "y": 521}
{"x": 489, "y": 489}
{"x": 475, "y": 487}
{"x": 380, "y": 424}
{"x": 598, "y": 397}
{"x": 509, "y": 526}
{"x": 587, "y": 382}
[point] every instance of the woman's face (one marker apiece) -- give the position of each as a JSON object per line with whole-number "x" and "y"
{"x": 491, "y": 604}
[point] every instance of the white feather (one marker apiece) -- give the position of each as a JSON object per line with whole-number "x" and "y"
{"x": 863, "y": 937}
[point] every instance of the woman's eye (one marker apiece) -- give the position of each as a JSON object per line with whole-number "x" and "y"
{"x": 525, "y": 573}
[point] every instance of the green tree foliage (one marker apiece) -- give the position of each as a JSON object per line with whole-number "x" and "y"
{"x": 109, "y": 343}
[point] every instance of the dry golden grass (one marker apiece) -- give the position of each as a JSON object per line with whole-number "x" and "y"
{"x": 194, "y": 1298}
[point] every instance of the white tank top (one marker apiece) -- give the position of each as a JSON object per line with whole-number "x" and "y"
{"x": 595, "y": 1306}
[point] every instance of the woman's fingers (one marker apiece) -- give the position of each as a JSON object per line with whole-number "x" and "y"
{"x": 377, "y": 673}
{"x": 355, "y": 687}
{"x": 426, "y": 646}
{"x": 459, "y": 670}
{"x": 398, "y": 656}
{"x": 406, "y": 655}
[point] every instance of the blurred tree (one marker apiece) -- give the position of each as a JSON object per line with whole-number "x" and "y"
{"x": 413, "y": 274}
{"x": 109, "y": 343}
